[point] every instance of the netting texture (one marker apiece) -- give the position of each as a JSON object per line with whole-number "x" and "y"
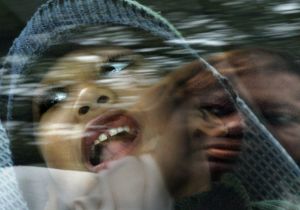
{"x": 10, "y": 195}
{"x": 266, "y": 169}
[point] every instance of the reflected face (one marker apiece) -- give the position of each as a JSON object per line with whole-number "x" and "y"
{"x": 275, "y": 98}
{"x": 216, "y": 125}
{"x": 84, "y": 108}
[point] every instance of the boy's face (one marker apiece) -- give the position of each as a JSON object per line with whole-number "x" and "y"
{"x": 99, "y": 105}
{"x": 85, "y": 108}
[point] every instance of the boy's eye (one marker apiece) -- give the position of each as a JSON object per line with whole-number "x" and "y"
{"x": 115, "y": 65}
{"x": 50, "y": 98}
{"x": 111, "y": 68}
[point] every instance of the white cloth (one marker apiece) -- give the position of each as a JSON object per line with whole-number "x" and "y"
{"x": 132, "y": 183}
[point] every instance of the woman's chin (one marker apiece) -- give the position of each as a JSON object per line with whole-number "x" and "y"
{"x": 218, "y": 168}
{"x": 222, "y": 157}
{"x": 221, "y": 162}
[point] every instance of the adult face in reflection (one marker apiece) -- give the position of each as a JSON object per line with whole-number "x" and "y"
{"x": 269, "y": 82}
{"x": 216, "y": 126}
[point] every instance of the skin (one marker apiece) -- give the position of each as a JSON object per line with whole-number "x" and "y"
{"x": 215, "y": 125}
{"x": 60, "y": 147}
{"x": 62, "y": 127}
{"x": 276, "y": 99}
{"x": 221, "y": 143}
{"x": 267, "y": 81}
{"x": 258, "y": 84}
{"x": 262, "y": 80}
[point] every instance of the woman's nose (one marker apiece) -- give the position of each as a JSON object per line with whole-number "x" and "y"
{"x": 234, "y": 125}
{"x": 92, "y": 98}
{"x": 228, "y": 126}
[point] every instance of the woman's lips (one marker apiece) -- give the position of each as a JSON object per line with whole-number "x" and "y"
{"x": 222, "y": 155}
{"x": 108, "y": 137}
{"x": 226, "y": 149}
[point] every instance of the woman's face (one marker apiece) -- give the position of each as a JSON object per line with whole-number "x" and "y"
{"x": 85, "y": 108}
{"x": 278, "y": 110}
{"x": 215, "y": 124}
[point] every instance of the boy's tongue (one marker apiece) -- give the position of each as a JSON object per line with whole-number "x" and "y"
{"x": 109, "y": 137}
{"x": 117, "y": 147}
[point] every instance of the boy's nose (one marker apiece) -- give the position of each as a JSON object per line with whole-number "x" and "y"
{"x": 92, "y": 98}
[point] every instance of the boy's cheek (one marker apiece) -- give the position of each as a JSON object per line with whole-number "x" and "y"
{"x": 61, "y": 145}
{"x": 147, "y": 144}
{"x": 62, "y": 155}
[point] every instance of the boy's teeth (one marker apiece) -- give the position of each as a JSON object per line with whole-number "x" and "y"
{"x": 102, "y": 137}
{"x": 113, "y": 131}
{"x": 126, "y": 128}
{"x": 96, "y": 142}
{"x": 120, "y": 130}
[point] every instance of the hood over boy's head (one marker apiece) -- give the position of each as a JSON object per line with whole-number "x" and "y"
{"x": 53, "y": 32}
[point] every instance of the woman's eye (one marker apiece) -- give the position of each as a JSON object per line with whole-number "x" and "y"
{"x": 219, "y": 111}
{"x": 50, "y": 98}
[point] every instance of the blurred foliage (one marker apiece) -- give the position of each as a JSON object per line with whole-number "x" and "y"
{"x": 216, "y": 25}
{"x": 209, "y": 25}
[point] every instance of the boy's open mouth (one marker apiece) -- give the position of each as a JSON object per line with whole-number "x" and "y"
{"x": 108, "y": 137}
